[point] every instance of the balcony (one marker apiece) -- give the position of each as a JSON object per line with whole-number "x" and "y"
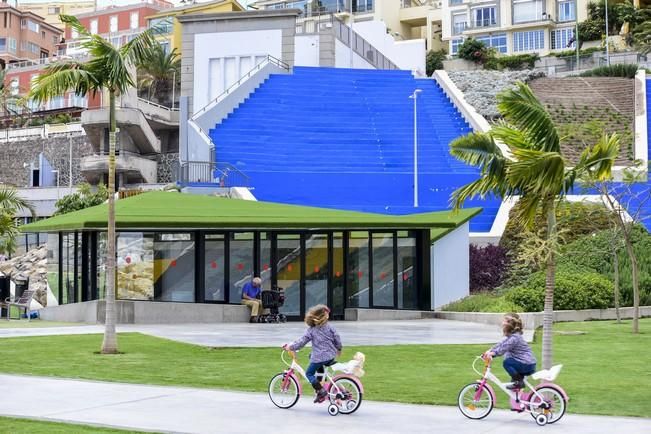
{"x": 415, "y": 12}
{"x": 459, "y": 28}
{"x": 133, "y": 167}
{"x": 129, "y": 120}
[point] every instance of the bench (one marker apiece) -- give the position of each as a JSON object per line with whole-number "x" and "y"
{"x": 23, "y": 302}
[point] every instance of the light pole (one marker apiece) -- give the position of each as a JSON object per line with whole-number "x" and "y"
{"x": 351, "y": 33}
{"x": 414, "y": 96}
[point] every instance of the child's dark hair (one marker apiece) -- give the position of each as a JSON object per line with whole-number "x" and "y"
{"x": 317, "y": 315}
{"x": 513, "y": 324}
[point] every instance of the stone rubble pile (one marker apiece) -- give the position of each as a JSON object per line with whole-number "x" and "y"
{"x": 481, "y": 87}
{"x": 33, "y": 266}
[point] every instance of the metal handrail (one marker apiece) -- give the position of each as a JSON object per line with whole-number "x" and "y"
{"x": 223, "y": 95}
{"x": 173, "y": 109}
{"x": 378, "y": 59}
{"x": 222, "y": 174}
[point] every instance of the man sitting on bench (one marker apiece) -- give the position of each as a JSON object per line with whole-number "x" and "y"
{"x": 251, "y": 297}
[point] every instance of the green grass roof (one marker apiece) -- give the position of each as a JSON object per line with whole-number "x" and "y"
{"x": 172, "y": 210}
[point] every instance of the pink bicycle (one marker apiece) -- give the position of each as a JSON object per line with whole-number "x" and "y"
{"x": 344, "y": 390}
{"x": 546, "y": 402}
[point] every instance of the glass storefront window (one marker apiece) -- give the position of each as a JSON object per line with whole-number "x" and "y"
{"x": 407, "y": 292}
{"x": 68, "y": 268}
{"x": 135, "y": 266}
{"x": 214, "y": 263}
{"x": 288, "y": 266}
{"x": 174, "y": 267}
{"x": 240, "y": 264}
{"x": 358, "y": 278}
{"x": 265, "y": 260}
{"x": 53, "y": 264}
{"x": 101, "y": 265}
{"x": 383, "y": 282}
{"x": 316, "y": 269}
{"x": 338, "y": 275}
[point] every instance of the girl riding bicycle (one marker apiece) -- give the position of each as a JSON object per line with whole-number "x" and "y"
{"x": 519, "y": 360}
{"x": 326, "y": 345}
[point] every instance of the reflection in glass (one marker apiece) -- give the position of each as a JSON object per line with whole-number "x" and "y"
{"x": 135, "y": 266}
{"x": 174, "y": 267}
{"x": 53, "y": 263}
{"x": 358, "y": 279}
{"x": 68, "y": 269}
{"x": 288, "y": 268}
{"x": 316, "y": 270}
{"x": 407, "y": 297}
{"x": 383, "y": 270}
{"x": 101, "y": 265}
{"x": 241, "y": 264}
{"x": 214, "y": 265}
{"x": 265, "y": 260}
{"x": 338, "y": 274}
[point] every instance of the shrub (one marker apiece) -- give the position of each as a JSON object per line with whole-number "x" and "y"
{"x": 434, "y": 61}
{"x": 584, "y": 52}
{"x": 488, "y": 266}
{"x": 473, "y": 50}
{"x": 619, "y": 70}
{"x": 574, "y": 290}
{"x": 518, "y": 61}
{"x": 472, "y": 303}
{"x": 502, "y": 305}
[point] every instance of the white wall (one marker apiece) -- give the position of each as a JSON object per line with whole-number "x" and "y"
{"x": 342, "y": 57}
{"x": 409, "y": 55}
{"x": 211, "y": 74}
{"x": 306, "y": 50}
{"x": 450, "y": 267}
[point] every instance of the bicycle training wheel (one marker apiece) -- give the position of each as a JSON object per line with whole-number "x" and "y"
{"x": 475, "y": 406}
{"x": 346, "y": 394}
{"x": 283, "y": 390}
{"x": 554, "y": 400}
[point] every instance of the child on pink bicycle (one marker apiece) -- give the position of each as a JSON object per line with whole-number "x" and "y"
{"x": 519, "y": 360}
{"x": 326, "y": 345}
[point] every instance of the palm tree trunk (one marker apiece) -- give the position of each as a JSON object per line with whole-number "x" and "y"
{"x": 550, "y": 281}
{"x": 110, "y": 343}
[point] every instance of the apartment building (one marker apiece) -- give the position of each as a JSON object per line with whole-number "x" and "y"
{"x": 25, "y": 36}
{"x": 513, "y": 26}
{"x": 50, "y": 10}
{"x": 118, "y": 24}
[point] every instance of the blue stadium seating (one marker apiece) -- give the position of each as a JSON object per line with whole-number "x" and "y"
{"x": 343, "y": 138}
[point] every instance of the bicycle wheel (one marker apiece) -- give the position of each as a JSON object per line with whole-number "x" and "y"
{"x": 283, "y": 390}
{"x": 346, "y": 394}
{"x": 475, "y": 408}
{"x": 553, "y": 399}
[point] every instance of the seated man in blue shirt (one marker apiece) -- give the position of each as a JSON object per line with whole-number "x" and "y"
{"x": 251, "y": 293}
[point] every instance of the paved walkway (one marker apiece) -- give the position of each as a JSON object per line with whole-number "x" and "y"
{"x": 186, "y": 410}
{"x": 265, "y": 335}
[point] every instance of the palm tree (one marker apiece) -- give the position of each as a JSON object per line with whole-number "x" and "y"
{"x": 158, "y": 72}
{"x": 107, "y": 69}
{"x": 528, "y": 164}
{"x": 10, "y": 203}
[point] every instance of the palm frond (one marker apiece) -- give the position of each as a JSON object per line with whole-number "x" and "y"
{"x": 521, "y": 108}
{"x": 139, "y": 48}
{"x": 74, "y": 23}
{"x": 61, "y": 77}
{"x": 599, "y": 159}
{"x": 11, "y": 202}
{"x": 482, "y": 187}
{"x": 476, "y": 149}
{"x": 537, "y": 171}
{"x": 510, "y": 136}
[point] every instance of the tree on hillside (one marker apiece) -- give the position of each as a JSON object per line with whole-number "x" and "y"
{"x": 85, "y": 197}
{"x": 107, "y": 70}
{"x": 528, "y": 165}
{"x": 10, "y": 204}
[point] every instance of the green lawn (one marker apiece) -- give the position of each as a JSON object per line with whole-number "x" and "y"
{"x": 606, "y": 370}
{"x": 17, "y": 426}
{"x": 35, "y": 323}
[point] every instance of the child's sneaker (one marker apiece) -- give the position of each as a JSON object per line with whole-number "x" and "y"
{"x": 516, "y": 385}
{"x": 320, "y": 396}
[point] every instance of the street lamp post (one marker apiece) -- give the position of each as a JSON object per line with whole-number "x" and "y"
{"x": 414, "y": 96}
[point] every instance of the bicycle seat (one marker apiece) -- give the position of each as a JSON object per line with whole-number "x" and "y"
{"x": 548, "y": 374}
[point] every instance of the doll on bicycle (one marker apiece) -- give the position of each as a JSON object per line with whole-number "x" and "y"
{"x": 326, "y": 345}
{"x": 519, "y": 360}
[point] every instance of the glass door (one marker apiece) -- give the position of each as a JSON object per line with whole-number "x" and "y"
{"x": 383, "y": 270}
{"x": 214, "y": 265}
{"x": 288, "y": 263}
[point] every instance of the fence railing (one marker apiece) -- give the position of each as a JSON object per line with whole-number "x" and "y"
{"x": 218, "y": 174}
{"x": 164, "y": 107}
{"x": 42, "y": 131}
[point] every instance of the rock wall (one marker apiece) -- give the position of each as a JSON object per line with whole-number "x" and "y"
{"x": 33, "y": 266}
{"x": 167, "y": 167}
{"x": 15, "y": 154}
{"x": 480, "y": 88}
